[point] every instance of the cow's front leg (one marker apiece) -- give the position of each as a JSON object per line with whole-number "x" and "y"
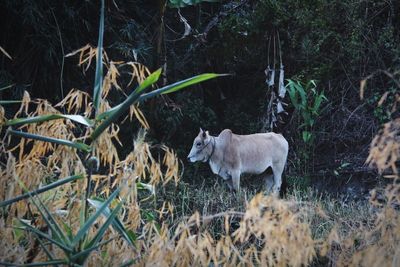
{"x": 236, "y": 180}
{"x": 230, "y": 185}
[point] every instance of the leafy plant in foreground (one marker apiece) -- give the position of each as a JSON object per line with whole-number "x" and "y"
{"x": 78, "y": 247}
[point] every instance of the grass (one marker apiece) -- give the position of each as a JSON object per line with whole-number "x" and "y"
{"x": 210, "y": 196}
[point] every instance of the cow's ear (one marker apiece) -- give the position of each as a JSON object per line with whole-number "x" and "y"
{"x": 201, "y": 130}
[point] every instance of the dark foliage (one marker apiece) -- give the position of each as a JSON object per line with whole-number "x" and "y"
{"x": 337, "y": 43}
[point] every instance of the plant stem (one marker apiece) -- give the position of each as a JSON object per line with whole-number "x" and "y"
{"x": 87, "y": 193}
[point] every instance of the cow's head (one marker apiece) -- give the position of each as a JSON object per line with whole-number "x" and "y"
{"x": 201, "y": 149}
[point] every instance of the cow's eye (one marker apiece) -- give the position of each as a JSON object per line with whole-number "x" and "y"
{"x": 198, "y": 144}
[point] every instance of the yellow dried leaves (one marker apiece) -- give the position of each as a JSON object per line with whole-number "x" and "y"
{"x": 270, "y": 234}
{"x": 385, "y": 147}
{"x": 76, "y": 101}
{"x": 86, "y": 55}
{"x": 287, "y": 240}
{"x": 11, "y": 250}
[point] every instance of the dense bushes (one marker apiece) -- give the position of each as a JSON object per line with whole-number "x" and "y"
{"x": 195, "y": 223}
{"x": 229, "y": 37}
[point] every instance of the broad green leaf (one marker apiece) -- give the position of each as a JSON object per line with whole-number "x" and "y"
{"x": 180, "y": 85}
{"x": 302, "y": 93}
{"x": 117, "y": 111}
{"x": 293, "y": 94}
{"x": 194, "y": 80}
{"x": 77, "y": 145}
{"x": 117, "y": 224}
{"x": 306, "y": 117}
{"x": 150, "y": 80}
{"x": 76, "y": 118}
{"x": 107, "y": 113}
{"x": 85, "y": 228}
{"x": 137, "y": 96}
{"x": 42, "y": 189}
{"x": 98, "y": 80}
{"x": 318, "y": 100}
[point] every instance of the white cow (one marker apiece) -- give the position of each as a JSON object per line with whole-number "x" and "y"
{"x": 230, "y": 155}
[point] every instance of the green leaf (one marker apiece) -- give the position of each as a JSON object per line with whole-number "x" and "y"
{"x": 306, "y": 136}
{"x": 68, "y": 230}
{"x": 29, "y": 228}
{"x": 311, "y": 85}
{"x": 77, "y": 145}
{"x": 117, "y": 111}
{"x": 82, "y": 255}
{"x": 85, "y": 228}
{"x": 98, "y": 80}
{"x": 5, "y": 102}
{"x": 110, "y": 219}
{"x": 344, "y": 165}
{"x": 144, "y": 186}
{"x": 107, "y": 113}
{"x": 306, "y": 117}
{"x": 45, "y": 263}
{"x": 7, "y": 87}
{"x": 180, "y": 85}
{"x": 302, "y": 93}
{"x": 150, "y": 80}
{"x": 293, "y": 94}
{"x": 42, "y": 189}
{"x": 95, "y": 242}
{"x": 45, "y": 249}
{"x": 76, "y": 118}
{"x": 116, "y": 223}
{"x": 51, "y": 222}
{"x": 317, "y": 103}
{"x": 137, "y": 96}
{"x": 18, "y": 232}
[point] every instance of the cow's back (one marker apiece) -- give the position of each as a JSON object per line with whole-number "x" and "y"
{"x": 259, "y": 151}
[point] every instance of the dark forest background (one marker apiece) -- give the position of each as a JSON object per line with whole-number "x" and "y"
{"x": 335, "y": 43}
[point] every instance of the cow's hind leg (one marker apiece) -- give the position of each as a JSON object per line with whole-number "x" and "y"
{"x": 268, "y": 177}
{"x": 277, "y": 169}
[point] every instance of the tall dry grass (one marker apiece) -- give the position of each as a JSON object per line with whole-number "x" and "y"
{"x": 178, "y": 224}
